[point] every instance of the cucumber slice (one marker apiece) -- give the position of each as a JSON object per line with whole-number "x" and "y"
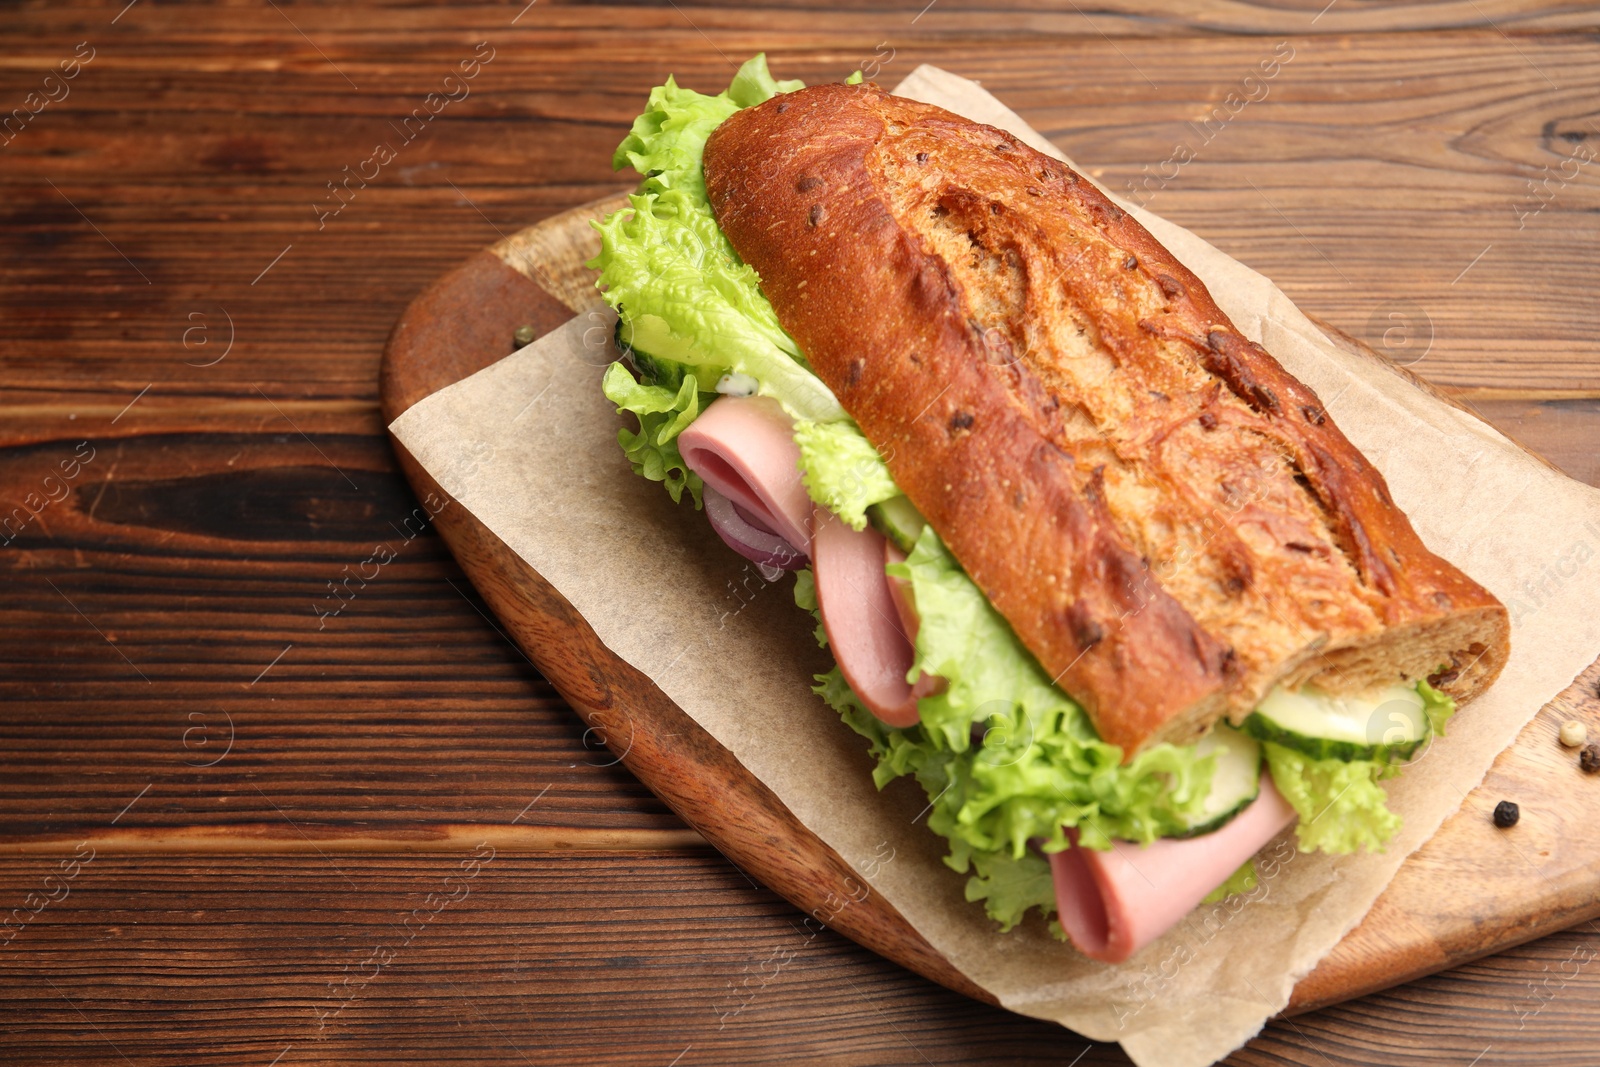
{"x": 651, "y": 349}
{"x": 897, "y": 520}
{"x": 1234, "y": 784}
{"x": 1388, "y": 725}
{"x": 652, "y": 371}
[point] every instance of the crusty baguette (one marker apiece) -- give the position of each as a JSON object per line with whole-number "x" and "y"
{"x": 1170, "y": 522}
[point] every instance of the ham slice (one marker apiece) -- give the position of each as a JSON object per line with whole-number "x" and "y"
{"x": 1114, "y": 903}
{"x": 861, "y": 618}
{"x": 900, "y": 592}
{"x": 743, "y": 447}
{"x": 910, "y": 622}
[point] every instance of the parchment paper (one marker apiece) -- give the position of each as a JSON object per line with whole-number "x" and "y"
{"x": 528, "y": 445}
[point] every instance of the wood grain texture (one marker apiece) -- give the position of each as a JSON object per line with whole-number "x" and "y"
{"x": 356, "y": 34}
{"x": 1435, "y": 139}
{"x": 226, "y": 619}
{"x": 391, "y": 839}
{"x": 198, "y": 142}
{"x": 601, "y": 959}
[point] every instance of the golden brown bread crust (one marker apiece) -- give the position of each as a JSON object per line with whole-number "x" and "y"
{"x": 1168, "y": 519}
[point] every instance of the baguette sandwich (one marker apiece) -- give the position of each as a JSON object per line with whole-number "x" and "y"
{"x": 1095, "y": 569}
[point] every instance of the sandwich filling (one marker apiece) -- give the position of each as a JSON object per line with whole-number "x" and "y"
{"x": 1038, "y": 809}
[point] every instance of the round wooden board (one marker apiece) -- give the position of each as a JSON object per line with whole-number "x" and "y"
{"x": 1468, "y": 892}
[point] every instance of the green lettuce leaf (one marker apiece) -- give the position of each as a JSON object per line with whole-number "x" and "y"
{"x": 1240, "y": 881}
{"x": 1341, "y": 805}
{"x": 1436, "y": 706}
{"x": 674, "y": 279}
{"x": 842, "y": 471}
{"x": 1009, "y": 886}
{"x": 669, "y": 137}
{"x": 805, "y": 598}
{"x": 754, "y": 85}
{"x": 805, "y": 590}
{"x": 663, "y": 414}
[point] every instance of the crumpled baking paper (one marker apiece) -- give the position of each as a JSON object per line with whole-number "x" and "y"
{"x": 528, "y": 446}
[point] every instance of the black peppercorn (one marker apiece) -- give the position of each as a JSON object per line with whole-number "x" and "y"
{"x": 1506, "y": 814}
{"x": 1589, "y": 758}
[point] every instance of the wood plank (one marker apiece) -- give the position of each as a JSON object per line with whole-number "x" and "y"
{"x": 583, "y": 958}
{"x": 178, "y": 597}
{"x": 1566, "y": 432}
{"x": 1431, "y": 142}
{"x": 352, "y": 37}
{"x": 545, "y": 958}
{"x": 389, "y": 839}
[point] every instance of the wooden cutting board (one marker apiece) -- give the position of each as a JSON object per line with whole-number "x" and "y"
{"x": 1470, "y": 891}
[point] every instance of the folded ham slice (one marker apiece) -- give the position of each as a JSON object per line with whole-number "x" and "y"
{"x": 861, "y": 618}
{"x": 1114, "y": 903}
{"x": 743, "y": 447}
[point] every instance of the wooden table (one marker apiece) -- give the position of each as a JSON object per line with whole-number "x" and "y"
{"x": 273, "y": 786}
